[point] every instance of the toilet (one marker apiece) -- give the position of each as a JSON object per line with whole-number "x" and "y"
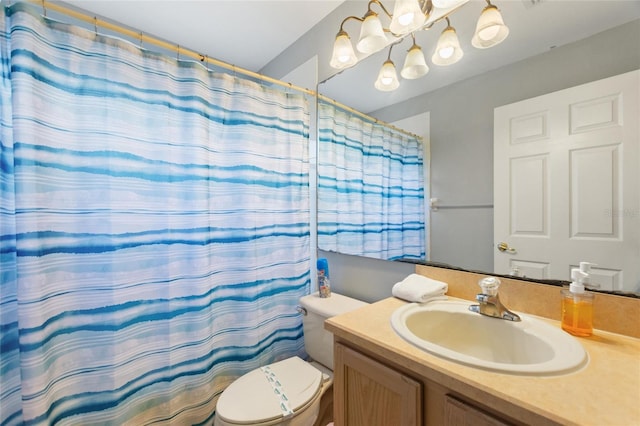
{"x": 288, "y": 392}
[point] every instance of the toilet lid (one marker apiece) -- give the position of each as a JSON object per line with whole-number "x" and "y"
{"x": 253, "y": 398}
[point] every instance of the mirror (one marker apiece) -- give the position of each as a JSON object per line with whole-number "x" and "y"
{"x": 579, "y": 44}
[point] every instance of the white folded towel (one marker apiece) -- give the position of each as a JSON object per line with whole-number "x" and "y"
{"x": 417, "y": 288}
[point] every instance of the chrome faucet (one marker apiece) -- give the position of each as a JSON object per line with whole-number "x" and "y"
{"x": 489, "y": 302}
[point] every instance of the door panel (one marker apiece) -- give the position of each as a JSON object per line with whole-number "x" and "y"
{"x": 567, "y": 183}
{"x": 530, "y": 196}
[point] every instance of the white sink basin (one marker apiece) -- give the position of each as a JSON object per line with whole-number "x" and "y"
{"x": 450, "y": 330}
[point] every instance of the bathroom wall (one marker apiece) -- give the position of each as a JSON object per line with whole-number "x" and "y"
{"x": 461, "y": 138}
{"x": 364, "y": 278}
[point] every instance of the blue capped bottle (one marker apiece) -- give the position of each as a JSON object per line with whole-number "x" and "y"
{"x": 324, "y": 285}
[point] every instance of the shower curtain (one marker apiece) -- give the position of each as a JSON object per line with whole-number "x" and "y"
{"x": 370, "y": 188}
{"x": 154, "y": 227}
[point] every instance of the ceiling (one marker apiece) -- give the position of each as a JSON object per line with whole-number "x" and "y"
{"x": 249, "y": 34}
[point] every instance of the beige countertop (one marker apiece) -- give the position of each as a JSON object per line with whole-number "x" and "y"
{"x": 606, "y": 392}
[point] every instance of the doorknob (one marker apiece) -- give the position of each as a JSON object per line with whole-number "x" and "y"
{"x": 504, "y": 247}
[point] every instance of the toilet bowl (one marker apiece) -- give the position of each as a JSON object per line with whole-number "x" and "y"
{"x": 288, "y": 392}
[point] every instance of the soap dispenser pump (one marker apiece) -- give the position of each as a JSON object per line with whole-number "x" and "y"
{"x": 577, "y": 303}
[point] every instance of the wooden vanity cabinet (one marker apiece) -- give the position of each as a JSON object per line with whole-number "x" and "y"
{"x": 368, "y": 391}
{"x": 460, "y": 413}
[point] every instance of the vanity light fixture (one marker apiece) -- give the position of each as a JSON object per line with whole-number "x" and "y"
{"x": 407, "y": 17}
{"x": 372, "y": 37}
{"x": 490, "y": 29}
{"x": 448, "y": 50}
{"x": 443, "y": 4}
{"x": 411, "y": 17}
{"x": 387, "y": 77}
{"x": 343, "y": 54}
{"x": 415, "y": 66}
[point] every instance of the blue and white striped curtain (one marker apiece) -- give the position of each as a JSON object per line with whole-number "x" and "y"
{"x": 154, "y": 229}
{"x": 370, "y": 188}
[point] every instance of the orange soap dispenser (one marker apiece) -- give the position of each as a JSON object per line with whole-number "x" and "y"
{"x": 577, "y": 303}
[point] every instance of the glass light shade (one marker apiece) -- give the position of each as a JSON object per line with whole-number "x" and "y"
{"x": 407, "y": 17}
{"x": 387, "y": 77}
{"x": 444, "y": 4}
{"x": 490, "y": 29}
{"x": 343, "y": 55}
{"x": 415, "y": 65}
{"x": 448, "y": 49}
{"x": 372, "y": 36}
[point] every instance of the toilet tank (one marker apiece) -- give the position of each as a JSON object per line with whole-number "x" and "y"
{"x": 318, "y": 342}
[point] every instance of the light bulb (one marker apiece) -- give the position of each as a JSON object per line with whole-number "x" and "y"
{"x": 446, "y": 52}
{"x": 405, "y": 19}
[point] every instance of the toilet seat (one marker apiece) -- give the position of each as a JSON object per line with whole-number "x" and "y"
{"x": 253, "y": 399}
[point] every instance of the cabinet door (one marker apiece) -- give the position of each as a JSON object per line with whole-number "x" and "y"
{"x": 459, "y": 413}
{"x": 369, "y": 393}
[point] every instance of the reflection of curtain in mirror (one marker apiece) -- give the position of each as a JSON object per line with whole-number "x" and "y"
{"x": 370, "y": 188}
{"x": 154, "y": 227}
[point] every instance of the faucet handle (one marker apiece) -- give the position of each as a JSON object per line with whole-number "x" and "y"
{"x": 489, "y": 285}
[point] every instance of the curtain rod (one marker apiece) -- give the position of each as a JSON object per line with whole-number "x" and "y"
{"x": 47, "y": 5}
{"x": 367, "y": 117}
{"x": 97, "y": 22}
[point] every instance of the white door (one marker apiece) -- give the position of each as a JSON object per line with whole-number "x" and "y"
{"x": 567, "y": 183}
